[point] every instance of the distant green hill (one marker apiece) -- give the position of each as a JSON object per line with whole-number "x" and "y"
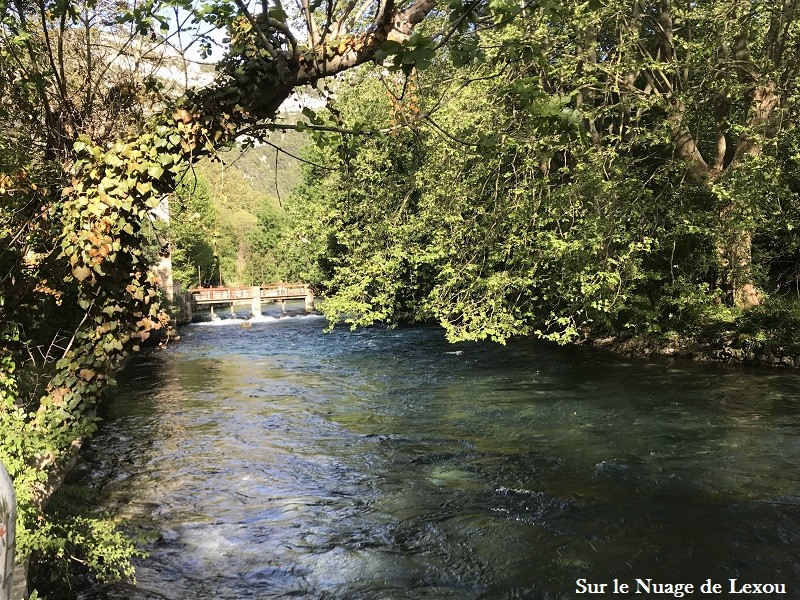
{"x": 257, "y": 164}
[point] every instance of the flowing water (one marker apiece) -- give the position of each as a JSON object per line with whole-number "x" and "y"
{"x": 278, "y": 461}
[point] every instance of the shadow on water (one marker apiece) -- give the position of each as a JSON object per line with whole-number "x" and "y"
{"x": 276, "y": 461}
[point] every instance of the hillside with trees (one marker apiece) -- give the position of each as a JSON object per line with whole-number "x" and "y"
{"x": 228, "y": 220}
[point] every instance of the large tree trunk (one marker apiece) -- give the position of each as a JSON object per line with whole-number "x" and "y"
{"x": 761, "y": 96}
{"x": 733, "y": 246}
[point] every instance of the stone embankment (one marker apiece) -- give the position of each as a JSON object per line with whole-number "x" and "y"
{"x": 777, "y": 357}
{"x": 720, "y": 350}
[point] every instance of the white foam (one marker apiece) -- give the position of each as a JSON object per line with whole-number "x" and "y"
{"x": 309, "y": 317}
{"x": 263, "y": 319}
{"x": 228, "y": 321}
{"x": 219, "y": 322}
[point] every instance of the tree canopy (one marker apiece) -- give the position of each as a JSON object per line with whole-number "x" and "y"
{"x": 584, "y": 166}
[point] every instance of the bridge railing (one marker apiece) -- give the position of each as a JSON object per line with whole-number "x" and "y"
{"x": 230, "y": 294}
{"x": 275, "y": 286}
{"x": 222, "y": 294}
{"x": 283, "y": 291}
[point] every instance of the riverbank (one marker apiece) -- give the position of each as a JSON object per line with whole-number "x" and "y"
{"x": 723, "y": 349}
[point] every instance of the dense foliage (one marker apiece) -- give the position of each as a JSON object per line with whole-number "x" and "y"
{"x": 76, "y": 293}
{"x": 569, "y": 168}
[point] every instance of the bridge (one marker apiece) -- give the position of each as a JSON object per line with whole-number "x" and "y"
{"x": 254, "y": 295}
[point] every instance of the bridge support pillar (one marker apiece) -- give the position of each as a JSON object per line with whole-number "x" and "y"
{"x": 256, "y": 306}
{"x": 309, "y": 299}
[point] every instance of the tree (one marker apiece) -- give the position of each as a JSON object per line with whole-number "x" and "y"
{"x": 220, "y": 222}
{"x": 607, "y": 166}
{"x": 715, "y": 79}
{"x": 191, "y": 232}
{"x": 67, "y": 71}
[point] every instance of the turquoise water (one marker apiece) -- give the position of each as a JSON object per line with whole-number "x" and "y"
{"x": 277, "y": 461}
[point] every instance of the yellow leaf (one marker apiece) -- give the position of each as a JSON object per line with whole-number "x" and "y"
{"x": 81, "y": 273}
{"x": 143, "y": 187}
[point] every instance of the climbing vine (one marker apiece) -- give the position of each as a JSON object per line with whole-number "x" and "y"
{"x": 103, "y": 213}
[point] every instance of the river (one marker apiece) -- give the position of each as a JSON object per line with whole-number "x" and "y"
{"x": 278, "y": 461}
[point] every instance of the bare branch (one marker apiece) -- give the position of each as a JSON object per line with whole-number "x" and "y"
{"x": 312, "y": 28}
{"x": 284, "y": 29}
{"x": 388, "y": 24}
{"x": 360, "y": 12}
{"x": 337, "y": 26}
{"x": 445, "y": 35}
{"x": 57, "y": 74}
{"x": 409, "y": 18}
{"x": 447, "y": 135}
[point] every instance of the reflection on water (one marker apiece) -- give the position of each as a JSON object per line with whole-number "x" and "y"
{"x": 281, "y": 462}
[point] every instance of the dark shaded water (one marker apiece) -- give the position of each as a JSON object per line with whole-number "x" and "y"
{"x": 281, "y": 462}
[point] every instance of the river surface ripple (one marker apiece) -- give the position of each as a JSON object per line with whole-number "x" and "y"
{"x": 278, "y": 461}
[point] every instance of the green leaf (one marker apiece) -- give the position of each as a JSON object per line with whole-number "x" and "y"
{"x": 391, "y": 46}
